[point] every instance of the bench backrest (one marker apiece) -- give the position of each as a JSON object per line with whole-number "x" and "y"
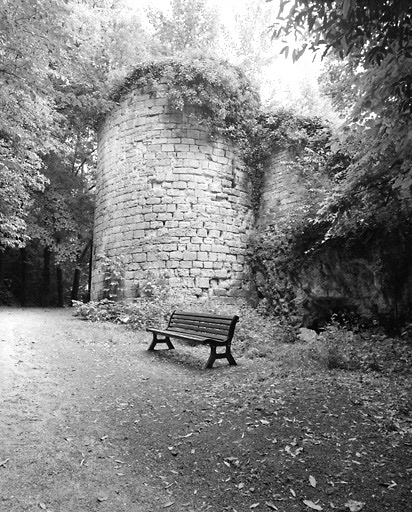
{"x": 216, "y": 327}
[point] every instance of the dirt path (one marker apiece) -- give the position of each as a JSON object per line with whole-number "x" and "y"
{"x": 60, "y": 435}
{"x": 90, "y": 421}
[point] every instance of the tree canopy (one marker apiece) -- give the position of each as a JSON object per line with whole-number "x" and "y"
{"x": 373, "y": 84}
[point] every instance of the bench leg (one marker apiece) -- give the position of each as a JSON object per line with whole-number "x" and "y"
{"x": 212, "y": 357}
{"x": 156, "y": 340}
{"x": 224, "y": 355}
{"x": 230, "y": 357}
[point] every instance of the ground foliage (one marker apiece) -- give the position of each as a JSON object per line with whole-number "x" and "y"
{"x": 344, "y": 343}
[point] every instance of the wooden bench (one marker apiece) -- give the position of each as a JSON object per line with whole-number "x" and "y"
{"x": 213, "y": 330}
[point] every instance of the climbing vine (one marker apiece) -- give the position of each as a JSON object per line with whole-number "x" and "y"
{"x": 217, "y": 93}
{"x": 221, "y": 97}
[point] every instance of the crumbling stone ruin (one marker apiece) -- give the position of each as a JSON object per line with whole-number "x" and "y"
{"x": 171, "y": 201}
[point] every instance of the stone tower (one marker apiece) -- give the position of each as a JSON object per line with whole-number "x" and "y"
{"x": 172, "y": 202}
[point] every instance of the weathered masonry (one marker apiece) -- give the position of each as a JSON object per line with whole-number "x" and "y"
{"x": 171, "y": 202}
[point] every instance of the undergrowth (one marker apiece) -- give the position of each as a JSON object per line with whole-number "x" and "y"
{"x": 260, "y": 336}
{"x": 256, "y": 334}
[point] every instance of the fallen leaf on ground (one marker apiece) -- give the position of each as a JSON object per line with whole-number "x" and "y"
{"x": 354, "y": 506}
{"x": 312, "y": 505}
{"x": 271, "y": 505}
{"x": 312, "y": 481}
{"x": 168, "y": 504}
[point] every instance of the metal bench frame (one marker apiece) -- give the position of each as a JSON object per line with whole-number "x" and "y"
{"x": 206, "y": 329}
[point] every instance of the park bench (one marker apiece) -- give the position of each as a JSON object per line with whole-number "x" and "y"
{"x": 213, "y": 330}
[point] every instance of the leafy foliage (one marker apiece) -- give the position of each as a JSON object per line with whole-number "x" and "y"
{"x": 30, "y": 38}
{"x": 16, "y": 185}
{"x": 113, "y": 276}
{"x": 220, "y": 95}
{"x": 191, "y": 25}
{"x": 374, "y": 38}
{"x": 61, "y": 216}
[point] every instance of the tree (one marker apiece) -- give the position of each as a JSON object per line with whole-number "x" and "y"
{"x": 191, "y": 25}
{"x": 31, "y": 42}
{"x": 375, "y": 39}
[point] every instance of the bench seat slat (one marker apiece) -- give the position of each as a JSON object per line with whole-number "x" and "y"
{"x": 205, "y": 321}
{"x": 188, "y": 336}
{"x": 207, "y": 317}
{"x": 200, "y": 328}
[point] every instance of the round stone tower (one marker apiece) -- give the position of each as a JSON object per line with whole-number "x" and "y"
{"x": 173, "y": 204}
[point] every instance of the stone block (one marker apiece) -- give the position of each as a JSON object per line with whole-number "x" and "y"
{"x": 189, "y": 255}
{"x": 202, "y": 282}
{"x": 170, "y": 247}
{"x": 153, "y": 200}
{"x": 220, "y": 249}
{"x": 159, "y": 208}
{"x": 164, "y": 216}
{"x": 182, "y": 147}
{"x": 176, "y": 255}
{"x": 172, "y": 224}
{"x": 139, "y": 257}
{"x": 191, "y": 162}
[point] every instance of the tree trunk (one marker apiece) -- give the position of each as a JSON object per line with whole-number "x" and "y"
{"x": 76, "y": 284}
{"x": 77, "y": 271}
{"x": 59, "y": 275}
{"x": 24, "y": 276}
{"x": 2, "y": 266}
{"x": 89, "y": 287}
{"x": 46, "y": 278}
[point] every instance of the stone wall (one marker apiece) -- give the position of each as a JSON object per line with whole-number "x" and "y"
{"x": 282, "y": 190}
{"x": 174, "y": 204}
